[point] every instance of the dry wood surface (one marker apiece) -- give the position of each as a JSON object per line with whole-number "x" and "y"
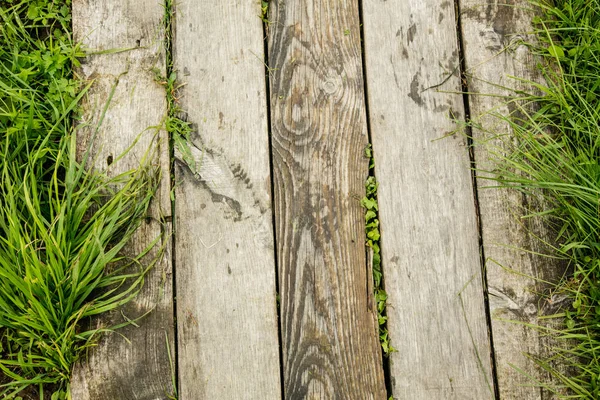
{"x": 224, "y": 251}
{"x": 133, "y": 364}
{"x": 430, "y": 254}
{"x": 319, "y": 133}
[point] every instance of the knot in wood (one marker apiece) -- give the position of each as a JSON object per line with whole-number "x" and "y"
{"x": 331, "y": 85}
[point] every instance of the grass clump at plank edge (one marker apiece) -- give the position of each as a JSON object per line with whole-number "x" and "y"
{"x": 369, "y": 202}
{"x": 555, "y": 153}
{"x": 62, "y": 227}
{"x": 178, "y": 128}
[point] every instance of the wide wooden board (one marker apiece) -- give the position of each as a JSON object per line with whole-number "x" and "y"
{"x": 429, "y": 232}
{"x": 495, "y": 37}
{"x": 135, "y": 365}
{"x": 329, "y": 337}
{"x": 226, "y": 295}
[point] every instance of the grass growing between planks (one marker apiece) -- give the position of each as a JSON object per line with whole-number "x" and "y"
{"x": 369, "y": 202}
{"x": 61, "y": 226}
{"x": 556, "y": 155}
{"x": 179, "y": 130}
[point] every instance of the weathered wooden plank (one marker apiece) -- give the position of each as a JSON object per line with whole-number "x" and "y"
{"x": 430, "y": 253}
{"x": 226, "y": 298}
{"x": 139, "y": 369}
{"x": 330, "y": 346}
{"x": 494, "y": 37}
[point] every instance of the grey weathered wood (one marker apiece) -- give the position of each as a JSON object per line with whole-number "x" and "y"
{"x": 116, "y": 369}
{"x": 494, "y": 38}
{"x": 226, "y": 297}
{"x": 330, "y": 344}
{"x": 430, "y": 253}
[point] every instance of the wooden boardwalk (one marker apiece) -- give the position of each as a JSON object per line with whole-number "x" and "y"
{"x": 265, "y": 290}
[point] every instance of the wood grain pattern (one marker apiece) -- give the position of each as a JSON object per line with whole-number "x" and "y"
{"x": 117, "y": 369}
{"x": 330, "y": 345}
{"x": 494, "y": 35}
{"x": 226, "y": 298}
{"x": 430, "y": 253}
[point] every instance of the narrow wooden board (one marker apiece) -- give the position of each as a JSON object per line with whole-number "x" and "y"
{"x": 330, "y": 344}
{"x": 429, "y": 232}
{"x": 138, "y": 369}
{"x": 494, "y": 40}
{"x": 226, "y": 295}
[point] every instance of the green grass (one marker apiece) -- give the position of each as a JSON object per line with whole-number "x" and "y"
{"x": 62, "y": 227}
{"x": 179, "y": 129}
{"x": 369, "y": 202}
{"x": 555, "y": 155}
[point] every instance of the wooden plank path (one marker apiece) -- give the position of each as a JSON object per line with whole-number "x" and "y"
{"x": 226, "y": 297}
{"x": 429, "y": 232}
{"x": 273, "y": 293}
{"x": 329, "y": 342}
{"x": 134, "y": 364}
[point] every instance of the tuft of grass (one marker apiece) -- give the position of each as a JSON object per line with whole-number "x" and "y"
{"x": 57, "y": 241}
{"x": 555, "y": 154}
{"x": 62, "y": 227}
{"x": 178, "y": 128}
{"x": 369, "y": 202}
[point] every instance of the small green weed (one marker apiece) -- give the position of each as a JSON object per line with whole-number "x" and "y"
{"x": 369, "y": 202}
{"x": 264, "y": 8}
